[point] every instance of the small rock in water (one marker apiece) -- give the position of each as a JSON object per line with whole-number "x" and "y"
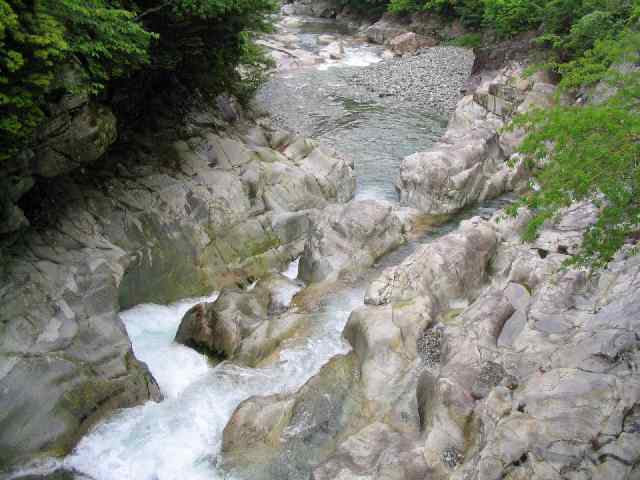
{"x": 326, "y": 39}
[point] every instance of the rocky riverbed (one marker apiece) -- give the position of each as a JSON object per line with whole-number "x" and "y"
{"x": 347, "y": 338}
{"x": 370, "y": 110}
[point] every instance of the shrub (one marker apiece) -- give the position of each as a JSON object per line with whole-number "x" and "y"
{"x": 111, "y": 39}
{"x": 36, "y": 37}
{"x": 470, "y": 40}
{"x": 592, "y": 152}
{"x": 512, "y": 16}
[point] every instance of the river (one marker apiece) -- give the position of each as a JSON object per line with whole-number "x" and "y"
{"x": 180, "y": 437}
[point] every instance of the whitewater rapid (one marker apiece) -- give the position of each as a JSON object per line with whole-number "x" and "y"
{"x": 180, "y": 437}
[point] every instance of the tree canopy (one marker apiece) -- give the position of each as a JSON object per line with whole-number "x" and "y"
{"x": 105, "y": 40}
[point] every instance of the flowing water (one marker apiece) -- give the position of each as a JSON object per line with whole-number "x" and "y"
{"x": 180, "y": 437}
{"x": 327, "y": 103}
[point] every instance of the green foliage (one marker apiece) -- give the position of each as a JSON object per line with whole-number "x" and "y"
{"x": 512, "y": 16}
{"x": 38, "y": 36}
{"x": 470, "y": 12}
{"x": 31, "y": 44}
{"x": 401, "y": 7}
{"x": 110, "y": 39}
{"x": 594, "y": 65}
{"x": 469, "y": 40}
{"x": 255, "y": 64}
{"x": 591, "y": 152}
{"x": 107, "y": 40}
{"x": 367, "y": 7}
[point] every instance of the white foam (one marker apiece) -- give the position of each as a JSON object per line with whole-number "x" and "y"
{"x": 293, "y": 269}
{"x": 179, "y": 438}
{"x": 354, "y": 57}
{"x": 151, "y": 329}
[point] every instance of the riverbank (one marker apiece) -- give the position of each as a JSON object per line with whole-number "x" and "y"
{"x": 347, "y": 337}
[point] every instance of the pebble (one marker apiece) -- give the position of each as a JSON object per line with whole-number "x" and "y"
{"x": 432, "y": 79}
{"x": 429, "y": 346}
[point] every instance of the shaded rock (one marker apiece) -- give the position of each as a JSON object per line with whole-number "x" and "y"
{"x": 426, "y": 397}
{"x": 315, "y": 8}
{"x": 219, "y": 327}
{"x": 74, "y": 138}
{"x": 58, "y": 474}
{"x": 384, "y": 30}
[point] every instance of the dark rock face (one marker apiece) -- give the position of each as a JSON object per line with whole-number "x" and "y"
{"x": 59, "y": 474}
{"x": 76, "y": 132}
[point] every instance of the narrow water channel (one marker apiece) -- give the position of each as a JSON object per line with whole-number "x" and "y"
{"x": 180, "y": 437}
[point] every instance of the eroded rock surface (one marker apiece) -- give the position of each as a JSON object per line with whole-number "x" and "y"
{"x": 479, "y": 357}
{"x": 475, "y": 160}
{"x": 282, "y": 436}
{"x": 351, "y": 237}
{"x": 184, "y": 217}
{"x": 244, "y": 325}
{"x": 342, "y": 240}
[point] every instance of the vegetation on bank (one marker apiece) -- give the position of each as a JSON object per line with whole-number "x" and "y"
{"x": 98, "y": 41}
{"x": 590, "y": 148}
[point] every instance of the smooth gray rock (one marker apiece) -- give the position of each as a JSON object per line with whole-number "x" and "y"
{"x": 150, "y": 233}
{"x": 284, "y": 436}
{"x": 349, "y": 238}
{"x": 475, "y": 160}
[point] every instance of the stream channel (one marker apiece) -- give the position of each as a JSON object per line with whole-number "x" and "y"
{"x": 180, "y": 437}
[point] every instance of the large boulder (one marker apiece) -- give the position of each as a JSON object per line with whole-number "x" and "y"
{"x": 405, "y": 43}
{"x": 219, "y": 327}
{"x": 384, "y": 30}
{"x": 65, "y": 359}
{"x": 285, "y": 436}
{"x": 246, "y": 326}
{"x": 334, "y": 50}
{"x": 348, "y": 238}
{"x": 450, "y": 268}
